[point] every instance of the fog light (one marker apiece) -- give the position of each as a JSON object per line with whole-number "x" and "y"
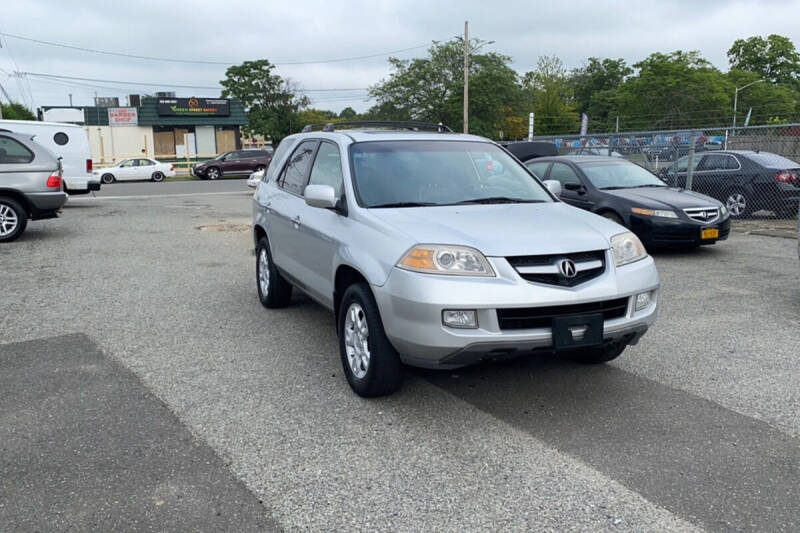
{"x": 460, "y": 318}
{"x": 642, "y": 300}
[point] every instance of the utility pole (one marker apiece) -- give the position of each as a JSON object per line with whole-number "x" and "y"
{"x": 466, "y": 77}
{"x": 617, "y": 123}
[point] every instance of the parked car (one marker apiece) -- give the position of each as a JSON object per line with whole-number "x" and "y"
{"x": 254, "y": 178}
{"x": 408, "y": 243}
{"x": 30, "y": 184}
{"x": 744, "y": 181}
{"x": 235, "y": 162}
{"x": 527, "y": 150}
{"x": 70, "y": 142}
{"x": 673, "y": 150}
{"x": 593, "y": 150}
{"x": 632, "y": 196}
{"x": 138, "y": 168}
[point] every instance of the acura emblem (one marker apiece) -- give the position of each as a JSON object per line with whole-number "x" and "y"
{"x": 567, "y": 268}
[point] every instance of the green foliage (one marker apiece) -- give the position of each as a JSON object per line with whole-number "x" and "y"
{"x": 270, "y": 100}
{"x": 595, "y": 87}
{"x": 431, "y": 88}
{"x": 348, "y": 113}
{"x": 16, "y": 111}
{"x": 311, "y": 116}
{"x": 548, "y": 93}
{"x": 774, "y": 58}
{"x": 766, "y": 99}
{"x": 675, "y": 90}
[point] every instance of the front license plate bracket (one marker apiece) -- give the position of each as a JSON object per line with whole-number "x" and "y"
{"x": 577, "y": 331}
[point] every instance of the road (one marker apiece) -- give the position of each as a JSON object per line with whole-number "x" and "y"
{"x": 138, "y": 188}
{"x": 696, "y": 428}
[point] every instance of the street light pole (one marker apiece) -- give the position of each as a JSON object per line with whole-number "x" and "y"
{"x": 466, "y": 77}
{"x": 736, "y": 99}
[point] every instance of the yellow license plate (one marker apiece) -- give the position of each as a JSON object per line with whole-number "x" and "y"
{"x": 709, "y": 233}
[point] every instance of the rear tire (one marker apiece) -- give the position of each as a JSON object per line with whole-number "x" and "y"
{"x": 259, "y": 168}
{"x": 108, "y": 178}
{"x": 596, "y": 356}
{"x": 13, "y": 219}
{"x": 371, "y": 364}
{"x": 157, "y": 176}
{"x": 738, "y": 203}
{"x": 273, "y": 289}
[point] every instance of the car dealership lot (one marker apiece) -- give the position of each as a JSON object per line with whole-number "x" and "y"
{"x": 697, "y": 426}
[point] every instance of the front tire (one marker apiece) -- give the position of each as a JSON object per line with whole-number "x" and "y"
{"x": 260, "y": 168}
{"x": 371, "y": 364}
{"x": 213, "y": 173}
{"x": 273, "y": 289}
{"x": 13, "y": 219}
{"x": 108, "y": 178}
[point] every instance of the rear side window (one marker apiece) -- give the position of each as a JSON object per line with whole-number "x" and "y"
{"x": 540, "y": 168}
{"x": 13, "y": 152}
{"x": 60, "y": 138}
{"x": 283, "y": 147}
{"x": 293, "y": 177}
{"x": 718, "y": 162}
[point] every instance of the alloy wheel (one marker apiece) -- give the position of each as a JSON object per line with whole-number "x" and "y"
{"x": 213, "y": 173}
{"x": 736, "y": 204}
{"x": 356, "y": 340}
{"x": 8, "y": 220}
{"x": 263, "y": 272}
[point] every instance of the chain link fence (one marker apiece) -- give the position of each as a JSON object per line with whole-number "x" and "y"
{"x": 754, "y": 171}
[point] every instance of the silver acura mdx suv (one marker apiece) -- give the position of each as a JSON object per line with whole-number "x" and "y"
{"x": 440, "y": 250}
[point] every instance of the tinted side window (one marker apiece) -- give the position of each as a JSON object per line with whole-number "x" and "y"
{"x": 61, "y": 138}
{"x": 540, "y": 168}
{"x": 327, "y": 169}
{"x": 293, "y": 177}
{"x": 564, "y": 174}
{"x": 13, "y": 152}
{"x": 145, "y": 163}
{"x": 283, "y": 147}
{"x": 717, "y": 162}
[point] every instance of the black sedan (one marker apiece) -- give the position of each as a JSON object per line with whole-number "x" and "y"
{"x": 744, "y": 181}
{"x": 632, "y": 196}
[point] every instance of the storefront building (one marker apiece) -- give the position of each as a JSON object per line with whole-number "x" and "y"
{"x": 164, "y": 128}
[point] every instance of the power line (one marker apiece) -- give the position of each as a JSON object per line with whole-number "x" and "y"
{"x": 201, "y": 62}
{"x": 170, "y": 85}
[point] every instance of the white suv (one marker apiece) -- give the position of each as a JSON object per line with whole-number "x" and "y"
{"x": 440, "y": 250}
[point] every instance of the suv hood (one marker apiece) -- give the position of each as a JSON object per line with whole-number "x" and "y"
{"x": 501, "y": 230}
{"x": 663, "y": 197}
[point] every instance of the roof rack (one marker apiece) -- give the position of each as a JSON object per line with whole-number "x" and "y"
{"x": 411, "y": 125}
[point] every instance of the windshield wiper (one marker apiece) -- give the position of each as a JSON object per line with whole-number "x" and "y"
{"x": 612, "y": 188}
{"x": 498, "y": 200}
{"x": 648, "y": 185}
{"x": 403, "y": 204}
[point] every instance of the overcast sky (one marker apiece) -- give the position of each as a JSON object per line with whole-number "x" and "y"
{"x": 285, "y": 32}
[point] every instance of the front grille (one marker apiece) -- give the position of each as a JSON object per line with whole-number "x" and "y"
{"x": 544, "y": 268}
{"x": 542, "y": 317}
{"x": 702, "y": 214}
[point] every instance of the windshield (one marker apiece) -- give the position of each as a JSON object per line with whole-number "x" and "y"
{"x": 413, "y": 173}
{"x": 620, "y": 175}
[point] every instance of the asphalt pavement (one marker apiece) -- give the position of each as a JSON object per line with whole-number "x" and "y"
{"x": 696, "y": 428}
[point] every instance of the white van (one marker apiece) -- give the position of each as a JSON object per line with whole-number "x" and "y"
{"x": 68, "y": 141}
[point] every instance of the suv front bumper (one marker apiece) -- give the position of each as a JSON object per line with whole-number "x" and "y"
{"x": 411, "y": 306}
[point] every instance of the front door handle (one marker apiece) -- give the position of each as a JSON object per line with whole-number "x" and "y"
{"x": 296, "y": 221}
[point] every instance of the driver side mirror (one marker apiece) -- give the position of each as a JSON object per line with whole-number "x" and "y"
{"x": 322, "y": 196}
{"x": 575, "y": 187}
{"x": 553, "y": 186}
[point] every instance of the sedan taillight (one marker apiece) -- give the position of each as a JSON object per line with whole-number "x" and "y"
{"x": 54, "y": 181}
{"x": 786, "y": 177}
{"x": 171, "y": 168}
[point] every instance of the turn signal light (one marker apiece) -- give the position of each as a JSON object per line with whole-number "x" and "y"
{"x": 419, "y": 258}
{"x": 54, "y": 181}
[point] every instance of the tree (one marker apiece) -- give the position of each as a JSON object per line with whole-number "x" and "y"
{"x": 596, "y": 86}
{"x": 774, "y": 58}
{"x": 431, "y": 88}
{"x": 16, "y": 111}
{"x": 549, "y": 95}
{"x": 312, "y": 116}
{"x": 270, "y": 100}
{"x": 348, "y": 113}
{"x": 766, "y": 99}
{"x": 675, "y": 90}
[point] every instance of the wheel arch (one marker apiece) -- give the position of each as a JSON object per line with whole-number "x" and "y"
{"x": 19, "y": 198}
{"x": 345, "y": 276}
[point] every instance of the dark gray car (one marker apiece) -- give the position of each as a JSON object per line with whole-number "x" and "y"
{"x": 30, "y": 184}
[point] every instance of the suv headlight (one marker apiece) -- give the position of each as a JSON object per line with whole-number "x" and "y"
{"x": 654, "y": 212}
{"x": 627, "y": 248}
{"x": 445, "y": 259}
